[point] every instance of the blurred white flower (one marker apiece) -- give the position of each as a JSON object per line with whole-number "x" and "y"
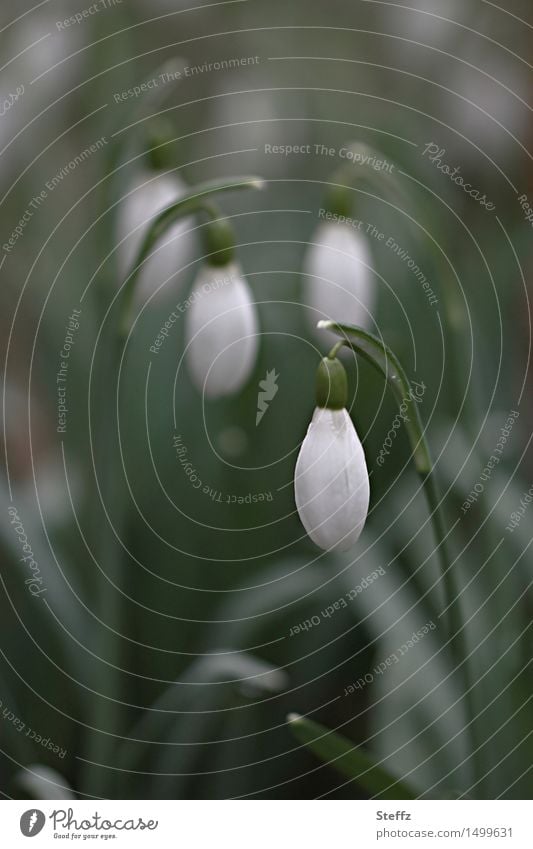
{"x": 52, "y": 57}
{"x": 150, "y": 195}
{"x": 221, "y": 331}
{"x": 338, "y": 282}
{"x": 331, "y": 482}
{"x": 33, "y": 46}
{"x": 425, "y": 21}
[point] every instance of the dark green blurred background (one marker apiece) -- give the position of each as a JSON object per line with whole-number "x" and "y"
{"x": 202, "y": 581}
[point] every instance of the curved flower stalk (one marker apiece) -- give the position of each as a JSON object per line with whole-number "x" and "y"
{"x": 150, "y": 194}
{"x": 339, "y": 278}
{"x": 331, "y": 483}
{"x": 195, "y": 201}
{"x": 221, "y": 330}
{"x": 383, "y": 359}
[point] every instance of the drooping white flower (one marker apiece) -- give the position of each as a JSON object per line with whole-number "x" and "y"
{"x": 221, "y": 330}
{"x": 338, "y": 282}
{"x": 331, "y": 481}
{"x": 150, "y": 194}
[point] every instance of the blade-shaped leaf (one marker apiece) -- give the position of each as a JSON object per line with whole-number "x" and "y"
{"x": 350, "y": 760}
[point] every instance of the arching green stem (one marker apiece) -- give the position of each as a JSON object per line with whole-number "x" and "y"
{"x": 376, "y": 352}
{"x": 195, "y": 201}
{"x": 372, "y": 349}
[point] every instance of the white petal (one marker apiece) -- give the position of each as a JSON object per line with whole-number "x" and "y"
{"x": 148, "y": 198}
{"x": 340, "y": 285}
{"x": 221, "y": 331}
{"x": 331, "y": 481}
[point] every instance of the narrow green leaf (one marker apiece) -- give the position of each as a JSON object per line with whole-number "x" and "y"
{"x": 376, "y": 352}
{"x": 190, "y": 703}
{"x": 340, "y": 753}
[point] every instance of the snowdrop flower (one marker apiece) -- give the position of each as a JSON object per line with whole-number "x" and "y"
{"x": 34, "y": 46}
{"x": 53, "y": 56}
{"x": 150, "y": 194}
{"x": 221, "y": 330}
{"x": 338, "y": 281}
{"x": 331, "y": 482}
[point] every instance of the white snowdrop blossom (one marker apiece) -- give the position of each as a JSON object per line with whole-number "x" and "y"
{"x": 338, "y": 276}
{"x": 150, "y": 195}
{"x": 221, "y": 331}
{"x": 331, "y": 483}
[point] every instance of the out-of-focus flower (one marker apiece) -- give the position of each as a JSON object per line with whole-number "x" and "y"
{"x": 149, "y": 196}
{"x": 47, "y": 57}
{"x": 40, "y": 65}
{"x": 222, "y": 330}
{"x": 338, "y": 282}
{"x": 331, "y": 483}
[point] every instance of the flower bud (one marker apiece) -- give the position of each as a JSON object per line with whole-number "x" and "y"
{"x": 331, "y": 384}
{"x": 331, "y": 483}
{"x": 221, "y": 331}
{"x": 338, "y": 282}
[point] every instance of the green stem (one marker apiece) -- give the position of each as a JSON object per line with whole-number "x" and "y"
{"x": 381, "y": 357}
{"x": 106, "y": 710}
{"x": 106, "y": 713}
{"x": 376, "y": 352}
{"x": 193, "y": 202}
